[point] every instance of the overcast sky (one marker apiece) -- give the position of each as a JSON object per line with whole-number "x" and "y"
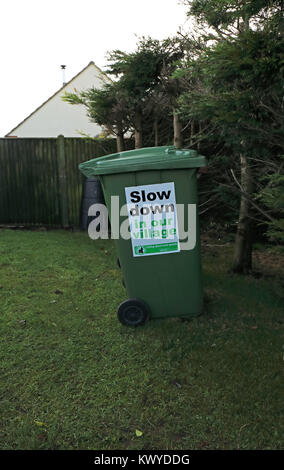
{"x": 37, "y": 36}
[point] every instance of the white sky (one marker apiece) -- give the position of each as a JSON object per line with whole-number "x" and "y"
{"x": 37, "y": 36}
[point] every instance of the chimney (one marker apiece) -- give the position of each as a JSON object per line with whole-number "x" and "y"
{"x": 63, "y": 67}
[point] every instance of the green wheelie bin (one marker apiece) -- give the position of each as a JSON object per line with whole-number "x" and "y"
{"x": 159, "y": 253}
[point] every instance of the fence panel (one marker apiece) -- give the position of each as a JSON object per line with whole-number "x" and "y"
{"x": 30, "y": 172}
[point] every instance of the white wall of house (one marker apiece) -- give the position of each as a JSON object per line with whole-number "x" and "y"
{"x": 56, "y": 117}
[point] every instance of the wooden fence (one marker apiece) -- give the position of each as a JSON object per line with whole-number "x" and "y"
{"x": 40, "y": 183}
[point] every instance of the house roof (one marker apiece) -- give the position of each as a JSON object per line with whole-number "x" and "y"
{"x": 57, "y": 92}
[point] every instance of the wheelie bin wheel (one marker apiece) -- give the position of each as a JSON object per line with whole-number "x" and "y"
{"x": 132, "y": 312}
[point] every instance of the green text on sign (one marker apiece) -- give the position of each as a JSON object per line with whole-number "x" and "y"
{"x": 152, "y": 249}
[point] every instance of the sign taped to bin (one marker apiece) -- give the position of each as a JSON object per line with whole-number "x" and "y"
{"x": 153, "y": 219}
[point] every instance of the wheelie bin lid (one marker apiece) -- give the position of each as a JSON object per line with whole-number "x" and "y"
{"x": 148, "y": 158}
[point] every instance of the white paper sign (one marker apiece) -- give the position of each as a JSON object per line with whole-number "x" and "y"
{"x": 153, "y": 219}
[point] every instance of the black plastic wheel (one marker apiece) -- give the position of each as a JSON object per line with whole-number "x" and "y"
{"x": 132, "y": 312}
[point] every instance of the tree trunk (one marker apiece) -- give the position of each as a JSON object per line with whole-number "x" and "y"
{"x": 156, "y": 132}
{"x": 192, "y": 132}
{"x": 120, "y": 142}
{"x": 199, "y": 134}
{"x": 177, "y": 131}
{"x": 138, "y": 130}
{"x": 242, "y": 263}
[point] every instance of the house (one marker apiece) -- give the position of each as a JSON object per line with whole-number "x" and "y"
{"x": 55, "y": 116}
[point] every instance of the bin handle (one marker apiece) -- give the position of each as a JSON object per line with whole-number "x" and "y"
{"x": 171, "y": 149}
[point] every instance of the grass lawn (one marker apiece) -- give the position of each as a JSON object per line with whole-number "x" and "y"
{"x": 72, "y": 377}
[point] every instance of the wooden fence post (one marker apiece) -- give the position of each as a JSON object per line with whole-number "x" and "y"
{"x": 62, "y": 181}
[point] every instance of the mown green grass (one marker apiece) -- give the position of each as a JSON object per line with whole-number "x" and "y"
{"x": 73, "y": 377}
